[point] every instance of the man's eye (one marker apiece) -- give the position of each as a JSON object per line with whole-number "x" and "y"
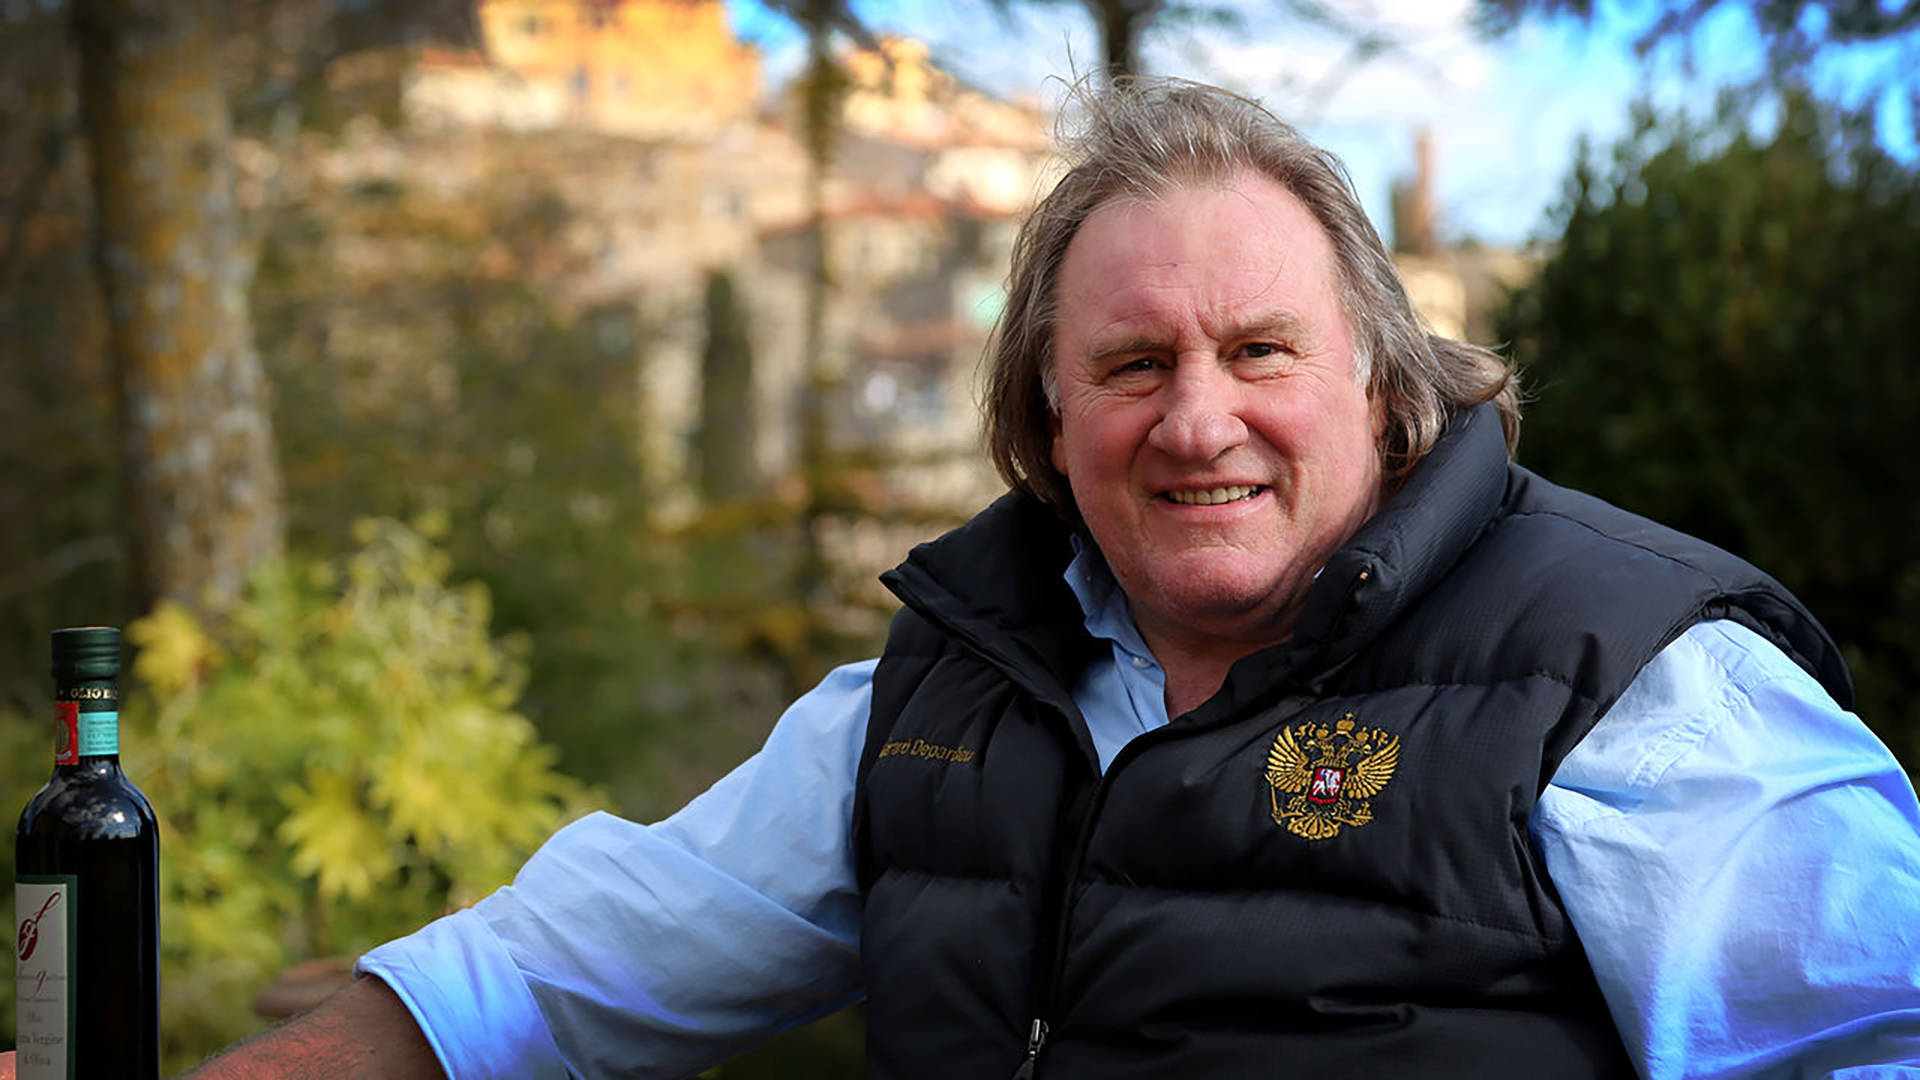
{"x": 1137, "y": 364}
{"x": 1260, "y": 349}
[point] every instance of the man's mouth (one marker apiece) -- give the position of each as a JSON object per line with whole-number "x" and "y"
{"x": 1215, "y": 496}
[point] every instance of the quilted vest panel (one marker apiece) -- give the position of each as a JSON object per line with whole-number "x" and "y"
{"x": 1326, "y": 868}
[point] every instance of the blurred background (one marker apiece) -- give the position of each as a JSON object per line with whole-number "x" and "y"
{"x": 483, "y": 411}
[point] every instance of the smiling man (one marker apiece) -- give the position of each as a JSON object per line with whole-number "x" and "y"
{"x": 1274, "y": 724}
{"x": 1209, "y": 415}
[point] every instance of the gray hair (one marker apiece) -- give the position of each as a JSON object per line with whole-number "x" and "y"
{"x": 1141, "y": 138}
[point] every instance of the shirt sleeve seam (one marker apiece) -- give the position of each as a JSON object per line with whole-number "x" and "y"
{"x": 1683, "y": 739}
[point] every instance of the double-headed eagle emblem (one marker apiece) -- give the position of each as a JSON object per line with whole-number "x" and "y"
{"x": 1313, "y": 768}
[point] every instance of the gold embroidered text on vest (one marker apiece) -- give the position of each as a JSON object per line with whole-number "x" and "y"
{"x": 1328, "y": 776}
{"x": 924, "y": 749}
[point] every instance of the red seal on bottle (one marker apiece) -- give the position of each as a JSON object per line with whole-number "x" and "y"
{"x": 66, "y": 747}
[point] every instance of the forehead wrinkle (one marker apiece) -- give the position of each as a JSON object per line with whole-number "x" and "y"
{"x": 1277, "y": 322}
{"x": 1129, "y": 333}
{"x": 1138, "y": 323}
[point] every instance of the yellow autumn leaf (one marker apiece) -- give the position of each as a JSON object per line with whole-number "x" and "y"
{"x": 334, "y": 841}
{"x": 172, "y": 650}
{"x": 433, "y": 523}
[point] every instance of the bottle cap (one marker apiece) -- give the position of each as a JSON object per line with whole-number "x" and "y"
{"x": 86, "y": 652}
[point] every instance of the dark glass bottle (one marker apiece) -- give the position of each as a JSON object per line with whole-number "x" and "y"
{"x": 87, "y": 889}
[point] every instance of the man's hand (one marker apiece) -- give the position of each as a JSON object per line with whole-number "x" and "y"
{"x": 361, "y": 1032}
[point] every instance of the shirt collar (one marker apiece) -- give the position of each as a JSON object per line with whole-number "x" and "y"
{"x": 1101, "y": 600}
{"x": 1108, "y": 618}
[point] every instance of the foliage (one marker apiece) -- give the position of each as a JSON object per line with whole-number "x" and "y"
{"x": 437, "y": 352}
{"x": 425, "y": 367}
{"x": 468, "y": 383}
{"x": 335, "y": 761}
{"x": 465, "y": 386}
{"x": 1794, "y": 28}
{"x": 1864, "y": 52}
{"x": 1723, "y": 341}
{"x": 60, "y": 552}
{"x": 725, "y": 454}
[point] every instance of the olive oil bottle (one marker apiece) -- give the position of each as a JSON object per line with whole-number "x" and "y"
{"x": 87, "y": 888}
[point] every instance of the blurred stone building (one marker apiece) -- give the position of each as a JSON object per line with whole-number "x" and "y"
{"x": 646, "y": 68}
{"x": 650, "y": 121}
{"x": 649, "y": 117}
{"x": 1456, "y": 287}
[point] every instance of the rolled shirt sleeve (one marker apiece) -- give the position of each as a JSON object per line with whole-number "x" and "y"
{"x": 658, "y": 950}
{"x": 1741, "y": 859}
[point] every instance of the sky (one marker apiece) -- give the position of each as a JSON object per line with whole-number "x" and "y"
{"x": 1505, "y": 116}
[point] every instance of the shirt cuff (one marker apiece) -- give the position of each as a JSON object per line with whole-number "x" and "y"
{"x": 469, "y": 999}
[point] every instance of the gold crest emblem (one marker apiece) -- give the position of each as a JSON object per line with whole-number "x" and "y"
{"x": 1328, "y": 775}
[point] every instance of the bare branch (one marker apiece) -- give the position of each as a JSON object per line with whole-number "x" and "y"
{"x": 1865, "y": 21}
{"x": 1677, "y": 23}
{"x": 52, "y": 143}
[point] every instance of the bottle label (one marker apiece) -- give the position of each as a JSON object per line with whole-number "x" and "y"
{"x": 43, "y": 955}
{"x": 66, "y": 733}
{"x": 99, "y": 733}
{"x": 78, "y": 734}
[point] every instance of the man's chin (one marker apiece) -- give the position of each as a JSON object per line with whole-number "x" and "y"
{"x": 1252, "y": 612}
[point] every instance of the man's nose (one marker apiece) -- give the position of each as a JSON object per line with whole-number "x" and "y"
{"x": 1202, "y": 417}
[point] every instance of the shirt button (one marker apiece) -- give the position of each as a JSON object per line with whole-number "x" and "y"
{"x": 1140, "y": 662}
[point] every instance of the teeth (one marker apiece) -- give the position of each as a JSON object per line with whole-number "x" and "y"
{"x": 1213, "y": 496}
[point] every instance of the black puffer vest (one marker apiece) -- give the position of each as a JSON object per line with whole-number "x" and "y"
{"x": 1323, "y": 871}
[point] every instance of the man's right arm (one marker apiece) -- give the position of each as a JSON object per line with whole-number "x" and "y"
{"x": 362, "y": 1031}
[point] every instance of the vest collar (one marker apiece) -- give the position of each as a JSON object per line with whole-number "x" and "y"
{"x": 1415, "y": 538}
{"x": 1396, "y": 556}
{"x": 998, "y": 581}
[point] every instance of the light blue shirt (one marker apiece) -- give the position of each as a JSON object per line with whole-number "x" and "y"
{"x": 1740, "y": 857}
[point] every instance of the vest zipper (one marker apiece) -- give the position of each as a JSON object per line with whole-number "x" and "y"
{"x": 1036, "y": 1041}
{"x": 1050, "y": 949}
{"x": 1080, "y": 816}
{"x": 1084, "y": 810}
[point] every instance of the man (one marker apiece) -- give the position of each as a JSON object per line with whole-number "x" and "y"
{"x": 1466, "y": 774}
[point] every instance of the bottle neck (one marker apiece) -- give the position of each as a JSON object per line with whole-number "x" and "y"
{"x": 86, "y": 722}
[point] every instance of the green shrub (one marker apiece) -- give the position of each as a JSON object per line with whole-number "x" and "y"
{"x": 335, "y": 760}
{"x": 1723, "y": 341}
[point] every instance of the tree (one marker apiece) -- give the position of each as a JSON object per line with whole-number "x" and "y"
{"x": 1793, "y": 27}
{"x": 1123, "y": 26}
{"x": 1877, "y": 37}
{"x": 201, "y": 487}
{"x": 726, "y": 396}
{"x": 174, "y": 257}
{"x": 1121, "y": 23}
{"x": 823, "y": 90}
{"x": 72, "y": 372}
{"x": 1723, "y": 342}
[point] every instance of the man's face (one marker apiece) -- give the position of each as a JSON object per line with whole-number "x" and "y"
{"x": 1209, "y": 422}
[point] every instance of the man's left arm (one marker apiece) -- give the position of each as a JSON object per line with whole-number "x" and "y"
{"x": 1741, "y": 859}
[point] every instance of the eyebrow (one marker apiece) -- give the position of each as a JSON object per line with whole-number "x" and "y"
{"x": 1127, "y": 339}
